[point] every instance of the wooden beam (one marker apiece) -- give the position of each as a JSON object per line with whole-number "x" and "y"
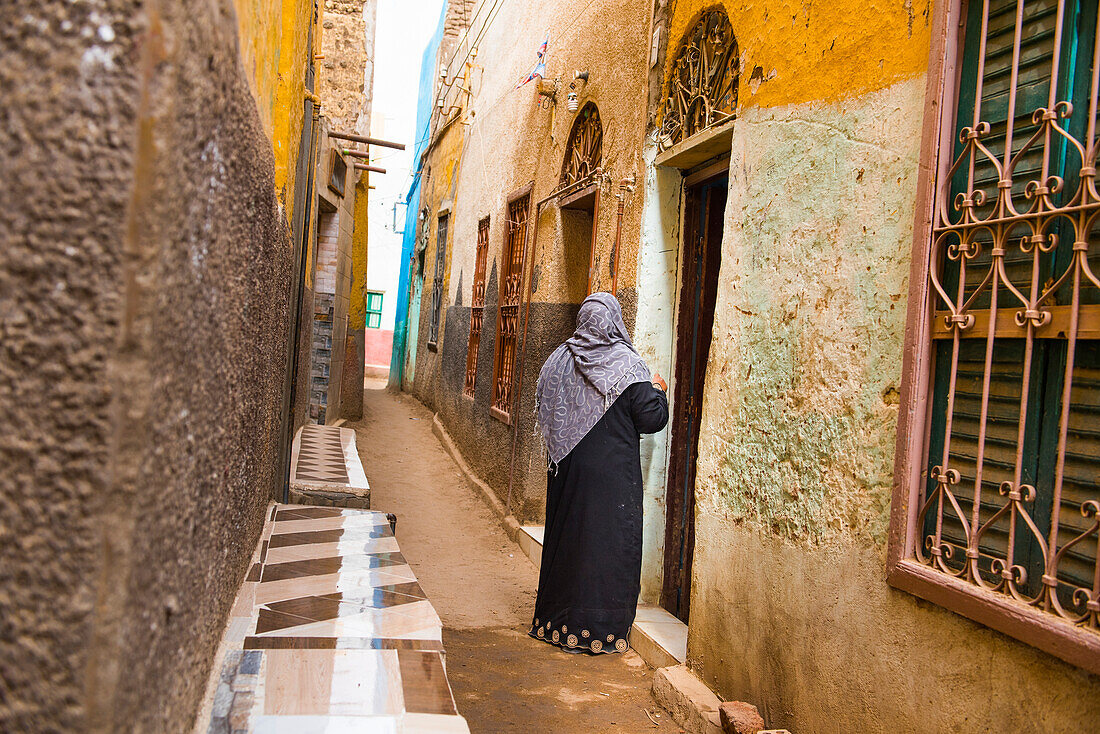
{"x": 368, "y": 141}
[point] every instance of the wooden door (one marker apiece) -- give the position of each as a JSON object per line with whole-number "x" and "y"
{"x": 705, "y": 205}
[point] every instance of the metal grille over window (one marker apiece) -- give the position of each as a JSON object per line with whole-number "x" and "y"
{"x": 584, "y": 149}
{"x": 477, "y": 306}
{"x": 1011, "y": 504}
{"x": 510, "y": 299}
{"x": 437, "y": 280}
{"x": 702, "y": 83}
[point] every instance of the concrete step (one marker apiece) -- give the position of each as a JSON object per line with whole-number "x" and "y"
{"x": 330, "y": 631}
{"x": 692, "y": 705}
{"x": 529, "y": 538}
{"x": 658, "y": 636}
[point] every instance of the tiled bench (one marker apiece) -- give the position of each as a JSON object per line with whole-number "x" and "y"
{"x": 659, "y": 637}
{"x": 330, "y": 633}
{"x": 325, "y": 468}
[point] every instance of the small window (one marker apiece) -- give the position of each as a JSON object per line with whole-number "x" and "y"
{"x": 702, "y": 81}
{"x": 584, "y": 150}
{"x": 477, "y": 307}
{"x": 374, "y": 310}
{"x": 437, "y": 281}
{"x": 338, "y": 173}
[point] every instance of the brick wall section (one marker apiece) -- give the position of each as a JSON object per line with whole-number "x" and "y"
{"x": 332, "y": 285}
{"x": 324, "y": 309}
{"x": 459, "y": 14}
{"x": 328, "y": 238}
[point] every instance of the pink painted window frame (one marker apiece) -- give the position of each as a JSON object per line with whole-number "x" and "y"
{"x": 1043, "y": 631}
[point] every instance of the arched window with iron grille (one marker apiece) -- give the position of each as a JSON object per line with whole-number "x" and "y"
{"x": 702, "y": 83}
{"x": 584, "y": 149}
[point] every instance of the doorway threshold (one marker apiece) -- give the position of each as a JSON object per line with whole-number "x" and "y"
{"x": 658, "y": 636}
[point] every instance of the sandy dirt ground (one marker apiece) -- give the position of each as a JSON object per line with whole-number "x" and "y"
{"x": 483, "y": 587}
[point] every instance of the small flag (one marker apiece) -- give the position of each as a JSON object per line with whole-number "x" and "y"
{"x": 539, "y": 69}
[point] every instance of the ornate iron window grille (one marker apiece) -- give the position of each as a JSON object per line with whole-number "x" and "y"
{"x": 702, "y": 82}
{"x": 477, "y": 306}
{"x": 510, "y": 300}
{"x": 437, "y": 280}
{"x": 1003, "y": 523}
{"x": 584, "y": 149}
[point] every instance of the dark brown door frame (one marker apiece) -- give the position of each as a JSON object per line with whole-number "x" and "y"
{"x": 704, "y": 208}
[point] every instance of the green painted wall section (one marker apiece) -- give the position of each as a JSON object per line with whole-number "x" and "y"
{"x": 800, "y": 410}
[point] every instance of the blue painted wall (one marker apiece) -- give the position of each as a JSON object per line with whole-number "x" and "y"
{"x": 424, "y": 106}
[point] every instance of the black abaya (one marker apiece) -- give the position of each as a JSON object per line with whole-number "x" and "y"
{"x": 592, "y": 548}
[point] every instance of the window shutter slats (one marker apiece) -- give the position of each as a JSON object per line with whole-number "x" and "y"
{"x": 986, "y": 438}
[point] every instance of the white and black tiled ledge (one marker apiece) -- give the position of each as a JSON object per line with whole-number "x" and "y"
{"x": 326, "y": 470}
{"x": 330, "y": 633}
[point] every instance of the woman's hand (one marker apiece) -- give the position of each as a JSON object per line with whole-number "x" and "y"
{"x": 660, "y": 381}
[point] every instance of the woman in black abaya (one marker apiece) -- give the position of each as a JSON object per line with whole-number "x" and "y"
{"x": 595, "y": 397}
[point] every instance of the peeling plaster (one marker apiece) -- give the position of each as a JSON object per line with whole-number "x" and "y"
{"x": 796, "y": 435}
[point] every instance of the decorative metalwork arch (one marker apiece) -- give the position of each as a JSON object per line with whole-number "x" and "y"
{"x": 584, "y": 149}
{"x": 702, "y": 82}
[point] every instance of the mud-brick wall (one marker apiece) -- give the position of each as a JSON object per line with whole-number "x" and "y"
{"x": 143, "y": 312}
{"x": 790, "y": 608}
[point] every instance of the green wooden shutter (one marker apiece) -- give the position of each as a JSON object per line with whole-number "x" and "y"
{"x": 1082, "y": 465}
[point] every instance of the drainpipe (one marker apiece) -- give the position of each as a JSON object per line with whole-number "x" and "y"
{"x": 595, "y": 230}
{"x": 625, "y": 186}
{"x": 295, "y": 330}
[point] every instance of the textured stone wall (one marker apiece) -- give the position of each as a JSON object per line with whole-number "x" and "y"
{"x": 143, "y": 309}
{"x": 348, "y": 67}
{"x": 346, "y": 88}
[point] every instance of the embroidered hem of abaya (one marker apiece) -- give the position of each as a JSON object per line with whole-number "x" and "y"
{"x": 590, "y": 574}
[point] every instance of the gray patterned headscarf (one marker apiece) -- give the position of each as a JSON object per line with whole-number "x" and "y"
{"x": 584, "y": 376}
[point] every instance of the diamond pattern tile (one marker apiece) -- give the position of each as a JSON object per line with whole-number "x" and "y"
{"x": 321, "y": 456}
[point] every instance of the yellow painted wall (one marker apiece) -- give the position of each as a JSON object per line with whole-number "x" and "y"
{"x": 797, "y": 438}
{"x": 357, "y": 309}
{"x": 445, "y": 160}
{"x": 811, "y": 51}
{"x": 259, "y": 24}
{"x": 274, "y": 43}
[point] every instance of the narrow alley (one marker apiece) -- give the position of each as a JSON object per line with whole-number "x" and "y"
{"x": 483, "y": 587}
{"x": 549, "y": 367}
